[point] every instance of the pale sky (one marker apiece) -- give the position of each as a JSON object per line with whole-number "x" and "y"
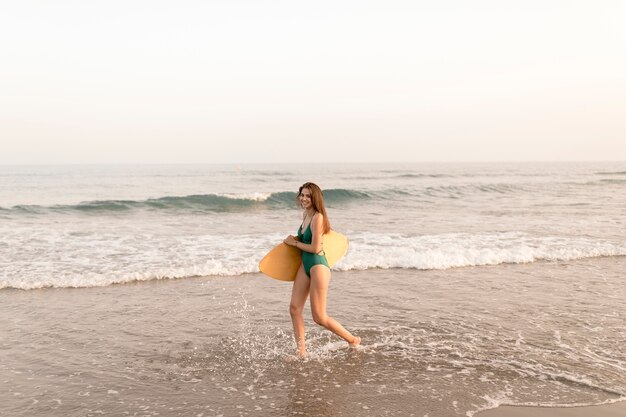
{"x": 233, "y": 81}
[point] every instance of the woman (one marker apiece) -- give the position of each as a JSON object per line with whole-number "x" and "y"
{"x": 314, "y": 273}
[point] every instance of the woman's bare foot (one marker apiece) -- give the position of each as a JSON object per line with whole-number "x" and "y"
{"x": 355, "y": 342}
{"x": 302, "y": 354}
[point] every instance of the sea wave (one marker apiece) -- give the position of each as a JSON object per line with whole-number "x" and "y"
{"x": 613, "y": 181}
{"x": 458, "y": 191}
{"x": 414, "y": 175}
{"x": 611, "y": 173}
{"x": 192, "y": 203}
{"x": 221, "y": 203}
{"x": 464, "y": 250}
{"x": 65, "y": 259}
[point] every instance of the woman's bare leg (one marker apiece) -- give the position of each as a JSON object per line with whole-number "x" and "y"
{"x": 320, "y": 279}
{"x": 299, "y": 294}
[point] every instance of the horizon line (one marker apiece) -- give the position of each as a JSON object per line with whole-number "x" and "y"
{"x": 311, "y": 163}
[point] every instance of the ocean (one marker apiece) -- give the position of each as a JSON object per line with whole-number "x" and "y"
{"x": 135, "y": 290}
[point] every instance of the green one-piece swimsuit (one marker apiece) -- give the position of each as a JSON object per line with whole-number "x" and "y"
{"x": 309, "y": 260}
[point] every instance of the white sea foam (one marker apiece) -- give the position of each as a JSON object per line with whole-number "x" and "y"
{"x": 369, "y": 250}
{"x": 255, "y": 196}
{"x": 501, "y": 400}
{"x": 70, "y": 258}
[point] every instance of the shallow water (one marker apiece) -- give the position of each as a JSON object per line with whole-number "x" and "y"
{"x": 437, "y": 342}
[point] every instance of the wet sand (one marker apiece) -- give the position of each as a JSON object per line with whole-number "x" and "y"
{"x": 607, "y": 410}
{"x": 436, "y": 342}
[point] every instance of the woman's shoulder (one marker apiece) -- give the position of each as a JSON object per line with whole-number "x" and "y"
{"x": 318, "y": 219}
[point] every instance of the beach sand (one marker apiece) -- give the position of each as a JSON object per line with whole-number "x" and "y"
{"x": 607, "y": 410}
{"x": 436, "y": 342}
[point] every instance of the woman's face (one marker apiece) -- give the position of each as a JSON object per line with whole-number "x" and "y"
{"x": 305, "y": 198}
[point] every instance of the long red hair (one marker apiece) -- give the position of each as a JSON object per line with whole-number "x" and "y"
{"x": 317, "y": 200}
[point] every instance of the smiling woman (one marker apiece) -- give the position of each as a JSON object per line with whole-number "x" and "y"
{"x": 314, "y": 273}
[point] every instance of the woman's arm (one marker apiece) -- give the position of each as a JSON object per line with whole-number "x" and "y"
{"x": 316, "y": 240}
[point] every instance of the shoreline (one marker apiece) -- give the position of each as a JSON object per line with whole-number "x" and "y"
{"x": 253, "y": 274}
{"x": 612, "y": 409}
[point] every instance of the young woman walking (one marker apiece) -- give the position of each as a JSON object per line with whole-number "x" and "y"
{"x": 313, "y": 276}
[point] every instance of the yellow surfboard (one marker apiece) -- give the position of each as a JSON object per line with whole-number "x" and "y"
{"x": 283, "y": 261}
